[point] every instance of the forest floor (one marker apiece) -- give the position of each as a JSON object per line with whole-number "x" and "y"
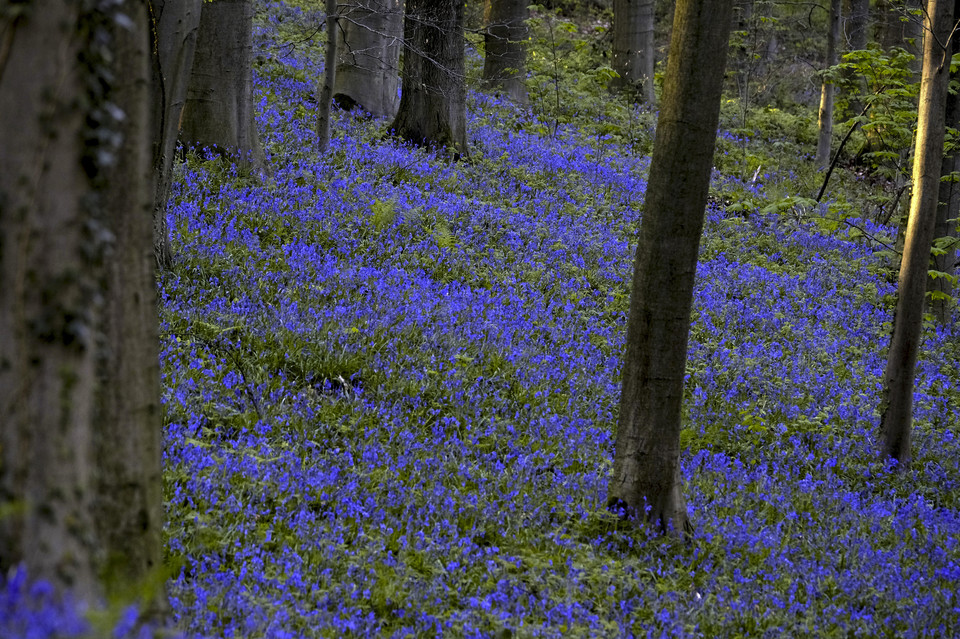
{"x": 391, "y": 384}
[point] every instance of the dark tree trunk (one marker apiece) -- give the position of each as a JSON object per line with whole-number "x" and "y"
{"x": 948, "y": 208}
{"x": 49, "y": 307}
{"x": 77, "y": 315}
{"x": 633, "y": 47}
{"x": 857, "y": 30}
{"x": 325, "y": 99}
{"x": 128, "y": 506}
{"x": 646, "y": 463}
{"x": 856, "y": 34}
{"x": 505, "y": 55}
{"x": 433, "y": 101}
{"x": 368, "y": 42}
{"x": 219, "y": 112}
{"x": 897, "y": 402}
{"x": 174, "y": 25}
{"x": 825, "y": 137}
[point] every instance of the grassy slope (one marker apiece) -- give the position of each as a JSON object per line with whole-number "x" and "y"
{"x": 391, "y": 385}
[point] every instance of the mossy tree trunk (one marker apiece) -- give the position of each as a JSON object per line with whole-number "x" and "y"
{"x": 898, "y": 378}
{"x": 633, "y": 47}
{"x": 219, "y": 112}
{"x": 433, "y": 103}
{"x": 368, "y": 69}
{"x": 79, "y": 382}
{"x": 646, "y": 478}
{"x": 325, "y": 94}
{"x": 173, "y": 25}
{"x": 504, "y": 49}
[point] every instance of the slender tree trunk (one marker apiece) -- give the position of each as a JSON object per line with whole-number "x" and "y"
{"x": 825, "y": 138}
{"x": 368, "y": 41}
{"x": 948, "y": 207}
{"x": 505, "y": 57}
{"x": 325, "y": 100}
{"x": 219, "y": 112}
{"x": 633, "y": 47}
{"x": 433, "y": 100}
{"x": 646, "y": 480}
{"x": 81, "y": 496}
{"x": 128, "y": 507}
{"x": 897, "y": 402}
{"x": 173, "y": 25}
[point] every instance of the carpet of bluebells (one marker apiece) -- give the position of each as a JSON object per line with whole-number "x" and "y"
{"x": 391, "y": 383}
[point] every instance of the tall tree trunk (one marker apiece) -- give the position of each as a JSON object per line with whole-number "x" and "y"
{"x": 174, "y": 25}
{"x": 948, "y": 207}
{"x": 75, "y": 180}
{"x": 633, "y": 47}
{"x": 433, "y": 101}
{"x": 325, "y": 100}
{"x": 219, "y": 112}
{"x": 128, "y": 507}
{"x": 368, "y": 41}
{"x": 49, "y": 302}
{"x": 646, "y": 480}
{"x": 826, "y": 94}
{"x": 897, "y": 402}
{"x": 504, "y": 54}
{"x": 856, "y": 34}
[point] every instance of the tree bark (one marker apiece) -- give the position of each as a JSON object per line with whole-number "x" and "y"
{"x": 898, "y": 378}
{"x": 219, "y": 112}
{"x": 49, "y": 302}
{"x": 825, "y": 137}
{"x": 433, "y": 106}
{"x": 325, "y": 100}
{"x": 633, "y": 47}
{"x": 174, "y": 25}
{"x": 505, "y": 57}
{"x": 128, "y": 504}
{"x": 368, "y": 42}
{"x": 948, "y": 207}
{"x": 75, "y": 179}
{"x": 646, "y": 481}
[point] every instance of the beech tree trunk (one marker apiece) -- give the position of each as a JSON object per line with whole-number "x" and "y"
{"x": 219, "y": 112}
{"x": 433, "y": 101}
{"x": 505, "y": 56}
{"x": 325, "y": 99}
{"x": 948, "y": 208}
{"x": 79, "y": 390}
{"x": 646, "y": 480}
{"x": 633, "y": 47}
{"x": 368, "y": 41}
{"x": 826, "y": 94}
{"x": 898, "y": 378}
{"x": 173, "y": 25}
{"x": 128, "y": 504}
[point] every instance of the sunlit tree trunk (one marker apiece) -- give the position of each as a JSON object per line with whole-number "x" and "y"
{"x": 633, "y": 47}
{"x": 505, "y": 56}
{"x": 368, "y": 40}
{"x": 79, "y": 390}
{"x": 826, "y": 92}
{"x": 219, "y": 112}
{"x": 173, "y": 25}
{"x": 646, "y": 480}
{"x": 898, "y": 378}
{"x": 433, "y": 103}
